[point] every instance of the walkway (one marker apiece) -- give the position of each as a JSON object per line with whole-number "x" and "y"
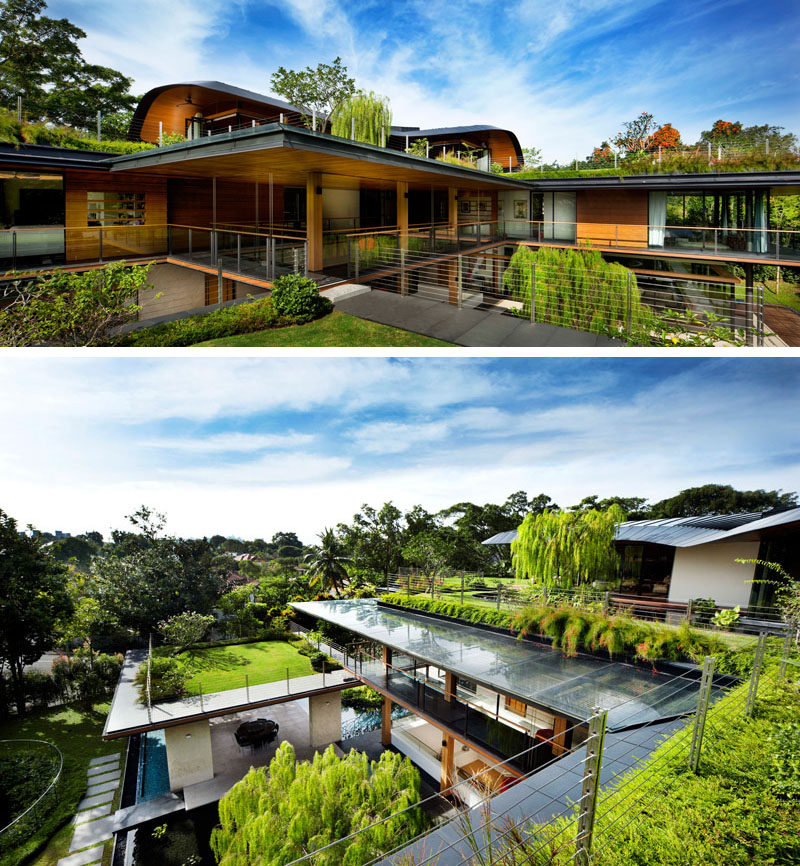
{"x": 465, "y": 327}
{"x": 784, "y": 321}
{"x": 93, "y": 822}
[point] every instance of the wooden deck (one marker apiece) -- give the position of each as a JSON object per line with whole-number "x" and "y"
{"x": 784, "y": 321}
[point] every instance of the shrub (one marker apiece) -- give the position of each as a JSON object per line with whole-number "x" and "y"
{"x": 298, "y": 298}
{"x": 239, "y": 319}
{"x": 362, "y": 698}
{"x": 167, "y": 680}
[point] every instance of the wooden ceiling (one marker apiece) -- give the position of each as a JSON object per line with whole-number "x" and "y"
{"x": 291, "y": 166}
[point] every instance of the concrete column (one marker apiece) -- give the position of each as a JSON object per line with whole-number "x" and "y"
{"x": 386, "y": 722}
{"x": 189, "y": 756}
{"x": 448, "y": 776}
{"x": 314, "y": 220}
{"x": 325, "y": 719}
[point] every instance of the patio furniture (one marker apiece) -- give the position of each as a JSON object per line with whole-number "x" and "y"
{"x": 256, "y": 733}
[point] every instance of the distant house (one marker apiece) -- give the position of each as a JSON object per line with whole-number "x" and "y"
{"x": 679, "y": 558}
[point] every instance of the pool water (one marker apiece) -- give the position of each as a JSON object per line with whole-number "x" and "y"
{"x": 153, "y": 778}
{"x": 355, "y": 722}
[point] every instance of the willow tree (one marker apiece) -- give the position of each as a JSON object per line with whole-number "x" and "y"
{"x": 575, "y": 289}
{"x": 284, "y": 812}
{"x": 363, "y": 117}
{"x": 567, "y": 548}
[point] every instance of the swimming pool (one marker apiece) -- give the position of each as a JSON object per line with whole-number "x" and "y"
{"x": 153, "y": 777}
{"x": 355, "y": 722}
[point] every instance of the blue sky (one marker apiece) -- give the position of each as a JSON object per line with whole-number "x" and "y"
{"x": 252, "y": 446}
{"x": 562, "y": 75}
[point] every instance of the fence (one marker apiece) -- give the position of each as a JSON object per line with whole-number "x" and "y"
{"x": 699, "y": 613}
{"x": 575, "y": 805}
{"x": 645, "y": 307}
{"x": 36, "y": 812}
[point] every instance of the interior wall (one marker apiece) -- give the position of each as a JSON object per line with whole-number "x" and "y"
{"x": 190, "y": 202}
{"x": 608, "y": 215}
{"x": 341, "y": 204}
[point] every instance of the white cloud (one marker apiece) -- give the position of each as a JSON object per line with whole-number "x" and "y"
{"x": 228, "y": 442}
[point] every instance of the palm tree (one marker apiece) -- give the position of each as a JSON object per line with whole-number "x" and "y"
{"x": 326, "y": 562}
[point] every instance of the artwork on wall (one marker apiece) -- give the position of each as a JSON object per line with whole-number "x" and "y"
{"x": 464, "y": 207}
{"x": 520, "y": 209}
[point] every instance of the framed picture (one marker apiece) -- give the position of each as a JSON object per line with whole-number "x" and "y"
{"x": 464, "y": 206}
{"x": 485, "y": 207}
{"x": 520, "y": 209}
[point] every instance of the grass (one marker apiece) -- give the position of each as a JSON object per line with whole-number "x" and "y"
{"x": 788, "y": 295}
{"x": 221, "y": 668}
{"x": 77, "y": 733}
{"x": 336, "y": 329}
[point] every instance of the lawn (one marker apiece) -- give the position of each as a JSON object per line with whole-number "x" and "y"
{"x": 76, "y": 732}
{"x": 219, "y": 668}
{"x": 788, "y": 295}
{"x": 336, "y": 329}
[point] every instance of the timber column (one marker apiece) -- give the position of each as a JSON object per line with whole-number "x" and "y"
{"x": 448, "y": 775}
{"x": 314, "y": 220}
{"x": 452, "y": 212}
{"x": 386, "y": 722}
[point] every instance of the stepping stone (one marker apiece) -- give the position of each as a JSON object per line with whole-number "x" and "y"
{"x": 91, "y": 814}
{"x": 92, "y": 832}
{"x": 97, "y": 799}
{"x": 101, "y": 789}
{"x": 104, "y": 759}
{"x": 104, "y": 777}
{"x": 83, "y": 858}
{"x": 102, "y": 768}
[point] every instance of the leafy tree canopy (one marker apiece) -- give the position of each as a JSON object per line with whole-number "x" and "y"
{"x": 34, "y": 602}
{"x": 720, "y": 499}
{"x": 40, "y": 60}
{"x": 374, "y": 538}
{"x": 327, "y": 562}
{"x": 318, "y": 90}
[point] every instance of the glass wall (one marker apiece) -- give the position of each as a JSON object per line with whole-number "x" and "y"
{"x": 559, "y": 216}
{"x": 32, "y": 206}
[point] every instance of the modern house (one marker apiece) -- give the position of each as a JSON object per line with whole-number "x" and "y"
{"x": 681, "y": 558}
{"x": 256, "y": 190}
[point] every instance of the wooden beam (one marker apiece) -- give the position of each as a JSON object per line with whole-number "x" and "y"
{"x": 386, "y": 722}
{"x": 448, "y": 774}
{"x": 314, "y": 220}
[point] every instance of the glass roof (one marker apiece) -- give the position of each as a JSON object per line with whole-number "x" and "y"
{"x": 537, "y": 674}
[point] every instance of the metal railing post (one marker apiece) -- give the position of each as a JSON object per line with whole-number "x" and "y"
{"x": 629, "y": 304}
{"x": 462, "y": 587}
{"x": 305, "y": 258}
{"x": 190, "y": 243}
{"x": 403, "y": 272}
{"x": 273, "y": 246}
{"x": 247, "y": 687}
{"x": 200, "y": 690}
{"x": 408, "y": 584}
{"x": 787, "y": 646}
{"x": 358, "y": 247}
{"x": 433, "y": 585}
{"x": 533, "y": 293}
{"x": 755, "y": 676}
{"x": 703, "y": 697}
{"x": 100, "y": 244}
{"x": 14, "y": 249}
{"x": 499, "y": 591}
{"x": 349, "y": 257}
{"x": 458, "y": 279}
{"x": 238, "y": 254}
{"x": 219, "y": 282}
{"x": 750, "y": 332}
{"x": 288, "y": 688}
{"x": 591, "y": 784}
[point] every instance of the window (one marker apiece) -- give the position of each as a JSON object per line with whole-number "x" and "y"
{"x": 212, "y": 290}
{"x": 515, "y": 706}
{"x": 115, "y": 208}
{"x": 468, "y": 686}
{"x": 28, "y": 198}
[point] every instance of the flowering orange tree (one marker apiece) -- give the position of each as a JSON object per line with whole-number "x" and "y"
{"x": 665, "y": 136}
{"x": 724, "y": 130}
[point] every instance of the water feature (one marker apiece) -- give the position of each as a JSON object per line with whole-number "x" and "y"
{"x": 153, "y": 777}
{"x": 355, "y": 722}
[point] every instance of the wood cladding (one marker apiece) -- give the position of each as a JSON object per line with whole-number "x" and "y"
{"x": 607, "y": 216}
{"x": 212, "y": 290}
{"x": 85, "y": 245}
{"x": 190, "y": 202}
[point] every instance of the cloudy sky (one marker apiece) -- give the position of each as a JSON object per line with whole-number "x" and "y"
{"x": 564, "y": 75}
{"x": 250, "y": 447}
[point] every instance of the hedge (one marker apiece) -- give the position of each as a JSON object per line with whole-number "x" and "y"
{"x": 573, "y": 630}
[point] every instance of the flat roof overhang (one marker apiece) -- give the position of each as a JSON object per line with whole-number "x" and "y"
{"x": 291, "y": 153}
{"x": 788, "y": 181}
{"x": 529, "y": 672}
{"x": 28, "y": 156}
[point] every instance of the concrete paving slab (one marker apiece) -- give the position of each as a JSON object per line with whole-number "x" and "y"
{"x": 104, "y": 777}
{"x": 100, "y": 769}
{"x": 83, "y": 858}
{"x": 97, "y": 799}
{"x": 132, "y": 816}
{"x": 490, "y": 331}
{"x": 101, "y": 789}
{"x": 339, "y": 293}
{"x": 92, "y": 832}
{"x": 105, "y": 759}
{"x": 91, "y": 814}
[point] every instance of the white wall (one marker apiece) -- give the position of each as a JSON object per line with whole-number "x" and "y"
{"x": 513, "y": 228}
{"x": 710, "y": 571}
{"x": 189, "y": 756}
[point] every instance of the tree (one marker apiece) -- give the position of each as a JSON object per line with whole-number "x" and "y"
{"x": 147, "y": 577}
{"x": 89, "y": 618}
{"x": 602, "y": 155}
{"x": 664, "y": 137}
{"x": 71, "y": 309}
{"x": 326, "y": 562}
{"x": 567, "y": 548}
{"x": 317, "y": 91}
{"x": 286, "y": 544}
{"x": 720, "y": 499}
{"x": 76, "y": 548}
{"x": 432, "y": 550}
{"x": 419, "y": 147}
{"x": 531, "y": 156}
{"x": 631, "y": 505}
{"x": 733, "y": 133}
{"x": 41, "y": 61}
{"x": 34, "y": 603}
{"x": 281, "y": 813}
{"x": 364, "y": 117}
{"x": 374, "y": 539}
{"x": 185, "y": 629}
{"x": 635, "y": 133}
